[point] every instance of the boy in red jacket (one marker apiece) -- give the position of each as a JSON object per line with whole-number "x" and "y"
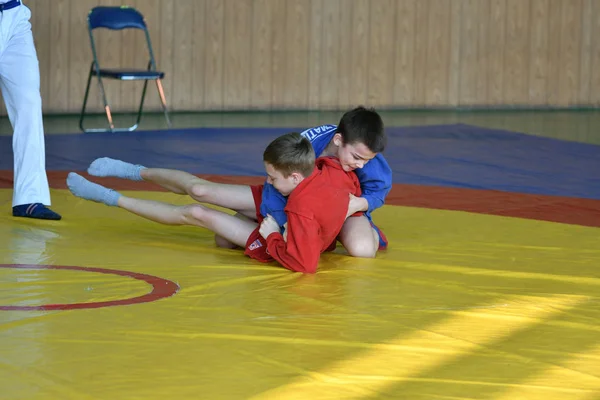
{"x": 318, "y": 190}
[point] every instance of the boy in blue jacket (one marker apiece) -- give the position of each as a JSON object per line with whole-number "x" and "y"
{"x": 357, "y": 141}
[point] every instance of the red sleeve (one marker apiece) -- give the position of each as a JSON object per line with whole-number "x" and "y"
{"x": 302, "y": 250}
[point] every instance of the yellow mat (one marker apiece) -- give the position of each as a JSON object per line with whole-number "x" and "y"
{"x": 461, "y": 306}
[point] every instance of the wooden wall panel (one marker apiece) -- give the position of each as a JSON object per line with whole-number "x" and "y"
{"x": 314, "y": 54}
{"x": 404, "y": 53}
{"x": 297, "y": 38}
{"x": 516, "y": 53}
{"x": 213, "y": 63}
{"x": 317, "y": 54}
{"x": 586, "y": 50}
{"x": 238, "y": 50}
{"x": 538, "y": 50}
{"x": 594, "y": 91}
{"x": 262, "y": 54}
{"x": 439, "y": 25}
{"x": 380, "y": 80}
{"x": 453, "y": 67}
{"x": 79, "y": 61}
{"x": 279, "y": 51}
{"x": 359, "y": 47}
{"x": 60, "y": 54}
{"x": 495, "y": 53}
{"x": 570, "y": 51}
{"x": 553, "y": 58}
{"x": 183, "y": 31}
{"x": 198, "y": 47}
{"x": 480, "y": 71}
{"x": 469, "y": 51}
{"x": 329, "y": 55}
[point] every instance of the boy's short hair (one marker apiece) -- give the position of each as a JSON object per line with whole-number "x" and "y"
{"x": 362, "y": 125}
{"x": 291, "y": 153}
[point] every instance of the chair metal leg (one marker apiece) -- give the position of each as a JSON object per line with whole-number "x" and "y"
{"x": 163, "y": 101}
{"x": 109, "y": 117}
{"x": 85, "y": 98}
{"x": 111, "y": 125}
{"x": 141, "y": 107}
{"x": 106, "y": 106}
{"x": 139, "y": 116}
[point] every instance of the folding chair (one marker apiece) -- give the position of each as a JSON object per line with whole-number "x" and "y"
{"x": 118, "y": 18}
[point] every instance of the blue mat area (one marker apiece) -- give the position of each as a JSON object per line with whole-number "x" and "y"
{"x": 473, "y": 157}
{"x": 442, "y": 155}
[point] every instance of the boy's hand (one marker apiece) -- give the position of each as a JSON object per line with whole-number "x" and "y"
{"x": 268, "y": 226}
{"x": 356, "y": 204}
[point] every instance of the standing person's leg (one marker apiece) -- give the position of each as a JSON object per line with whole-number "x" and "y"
{"x": 235, "y": 197}
{"x": 20, "y": 85}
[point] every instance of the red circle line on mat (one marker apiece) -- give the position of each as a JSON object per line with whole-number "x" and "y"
{"x": 161, "y": 288}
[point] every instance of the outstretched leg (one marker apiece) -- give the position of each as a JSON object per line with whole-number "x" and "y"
{"x": 220, "y": 241}
{"x": 234, "y": 230}
{"x": 235, "y": 197}
{"x": 85, "y": 189}
{"x": 228, "y": 227}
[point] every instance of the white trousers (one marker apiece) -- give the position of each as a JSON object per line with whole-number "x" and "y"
{"x": 20, "y": 86}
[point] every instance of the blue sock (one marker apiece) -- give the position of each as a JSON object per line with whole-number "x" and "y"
{"x": 106, "y": 166}
{"x": 85, "y": 189}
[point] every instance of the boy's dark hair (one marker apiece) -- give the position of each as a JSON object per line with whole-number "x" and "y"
{"x": 291, "y": 153}
{"x": 362, "y": 125}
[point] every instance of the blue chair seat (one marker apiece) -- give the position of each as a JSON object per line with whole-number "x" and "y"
{"x": 131, "y": 74}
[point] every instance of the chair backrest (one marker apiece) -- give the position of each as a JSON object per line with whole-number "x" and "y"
{"x": 115, "y": 18}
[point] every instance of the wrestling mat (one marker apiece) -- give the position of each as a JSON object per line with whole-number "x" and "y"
{"x": 490, "y": 287}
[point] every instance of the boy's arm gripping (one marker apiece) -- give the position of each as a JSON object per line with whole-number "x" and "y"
{"x": 302, "y": 250}
{"x": 375, "y": 181}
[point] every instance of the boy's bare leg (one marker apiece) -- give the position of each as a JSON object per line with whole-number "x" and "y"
{"x": 220, "y": 241}
{"x": 234, "y": 230}
{"x": 231, "y": 228}
{"x": 179, "y": 182}
{"x": 359, "y": 238}
{"x": 234, "y": 197}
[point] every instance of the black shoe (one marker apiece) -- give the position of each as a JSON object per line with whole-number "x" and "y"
{"x": 35, "y": 210}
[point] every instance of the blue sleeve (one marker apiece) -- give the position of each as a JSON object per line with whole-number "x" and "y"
{"x": 273, "y": 203}
{"x": 375, "y": 181}
{"x": 319, "y": 137}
